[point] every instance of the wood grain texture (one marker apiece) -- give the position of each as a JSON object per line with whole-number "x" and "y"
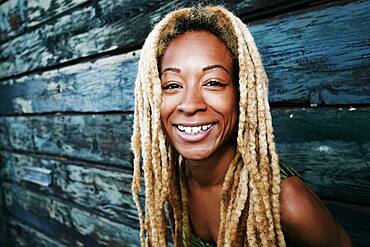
{"x": 329, "y": 147}
{"x": 90, "y": 30}
{"x": 21, "y": 234}
{"x": 101, "y": 138}
{"x": 66, "y": 222}
{"x": 18, "y": 16}
{"x": 99, "y": 189}
{"x": 63, "y": 221}
{"x": 103, "y": 85}
{"x": 325, "y": 52}
{"x": 315, "y": 56}
{"x": 292, "y": 48}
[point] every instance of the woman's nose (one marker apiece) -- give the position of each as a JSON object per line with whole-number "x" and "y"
{"x": 192, "y": 101}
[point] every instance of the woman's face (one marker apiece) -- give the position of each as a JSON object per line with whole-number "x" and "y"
{"x": 199, "y": 101}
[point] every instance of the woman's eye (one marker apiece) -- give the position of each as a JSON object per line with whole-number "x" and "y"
{"x": 214, "y": 83}
{"x": 170, "y": 86}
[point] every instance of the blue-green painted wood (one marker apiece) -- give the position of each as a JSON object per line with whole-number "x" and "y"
{"x": 314, "y": 56}
{"x": 20, "y": 234}
{"x": 101, "y": 138}
{"x": 64, "y": 221}
{"x": 72, "y": 183}
{"x": 103, "y": 190}
{"x": 103, "y": 85}
{"x": 330, "y": 147}
{"x": 18, "y": 16}
{"x": 300, "y": 52}
{"x": 71, "y": 226}
{"x": 92, "y": 30}
{"x": 325, "y": 52}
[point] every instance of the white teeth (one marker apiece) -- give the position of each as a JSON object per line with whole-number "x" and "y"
{"x": 194, "y": 130}
{"x": 187, "y": 130}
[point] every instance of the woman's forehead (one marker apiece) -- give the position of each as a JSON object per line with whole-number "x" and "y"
{"x": 195, "y": 47}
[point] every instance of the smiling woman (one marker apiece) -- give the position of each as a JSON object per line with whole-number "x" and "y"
{"x": 203, "y": 134}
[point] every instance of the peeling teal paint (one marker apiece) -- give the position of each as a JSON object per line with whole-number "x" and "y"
{"x": 22, "y": 5}
{"x": 4, "y": 23}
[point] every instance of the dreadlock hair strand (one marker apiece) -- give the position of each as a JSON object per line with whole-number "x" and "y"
{"x": 250, "y": 211}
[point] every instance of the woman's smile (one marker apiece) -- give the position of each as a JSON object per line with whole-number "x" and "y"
{"x": 193, "y": 133}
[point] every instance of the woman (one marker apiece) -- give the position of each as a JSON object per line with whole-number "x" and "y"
{"x": 204, "y": 137}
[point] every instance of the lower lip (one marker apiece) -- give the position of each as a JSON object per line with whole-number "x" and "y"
{"x": 193, "y": 138}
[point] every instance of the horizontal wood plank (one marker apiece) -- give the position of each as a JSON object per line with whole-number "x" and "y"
{"x": 103, "y": 85}
{"x": 307, "y": 59}
{"x": 66, "y": 222}
{"x": 324, "y": 52}
{"x": 101, "y": 138}
{"x": 329, "y": 147}
{"x": 101, "y": 190}
{"x": 20, "y": 234}
{"x": 18, "y": 16}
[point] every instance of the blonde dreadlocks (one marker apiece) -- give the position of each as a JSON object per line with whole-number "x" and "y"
{"x": 250, "y": 213}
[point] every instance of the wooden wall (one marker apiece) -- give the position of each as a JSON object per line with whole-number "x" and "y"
{"x": 67, "y": 70}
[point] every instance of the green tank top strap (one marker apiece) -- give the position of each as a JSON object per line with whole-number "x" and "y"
{"x": 195, "y": 241}
{"x": 287, "y": 171}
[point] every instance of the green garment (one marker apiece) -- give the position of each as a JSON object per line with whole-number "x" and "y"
{"x": 285, "y": 171}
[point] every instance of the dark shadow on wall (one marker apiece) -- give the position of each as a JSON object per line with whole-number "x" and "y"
{"x": 4, "y": 240}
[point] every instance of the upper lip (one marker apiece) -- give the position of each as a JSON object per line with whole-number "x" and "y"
{"x": 193, "y": 124}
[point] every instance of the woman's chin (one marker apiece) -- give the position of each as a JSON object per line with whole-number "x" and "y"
{"x": 196, "y": 155}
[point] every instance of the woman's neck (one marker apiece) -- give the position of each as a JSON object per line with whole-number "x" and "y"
{"x": 211, "y": 171}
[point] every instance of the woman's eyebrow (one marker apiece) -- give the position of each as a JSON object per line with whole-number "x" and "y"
{"x": 215, "y": 66}
{"x": 171, "y": 69}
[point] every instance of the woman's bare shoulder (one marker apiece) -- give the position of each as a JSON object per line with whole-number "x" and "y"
{"x": 305, "y": 219}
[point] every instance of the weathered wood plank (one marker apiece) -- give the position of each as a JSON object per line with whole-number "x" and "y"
{"x": 18, "y": 16}
{"x": 290, "y": 49}
{"x": 355, "y": 219}
{"x": 334, "y": 169}
{"x": 67, "y": 39}
{"x": 69, "y": 224}
{"x": 22, "y": 235}
{"x": 101, "y": 190}
{"x": 103, "y": 85}
{"x": 100, "y": 138}
{"x": 320, "y": 51}
{"x": 330, "y": 147}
